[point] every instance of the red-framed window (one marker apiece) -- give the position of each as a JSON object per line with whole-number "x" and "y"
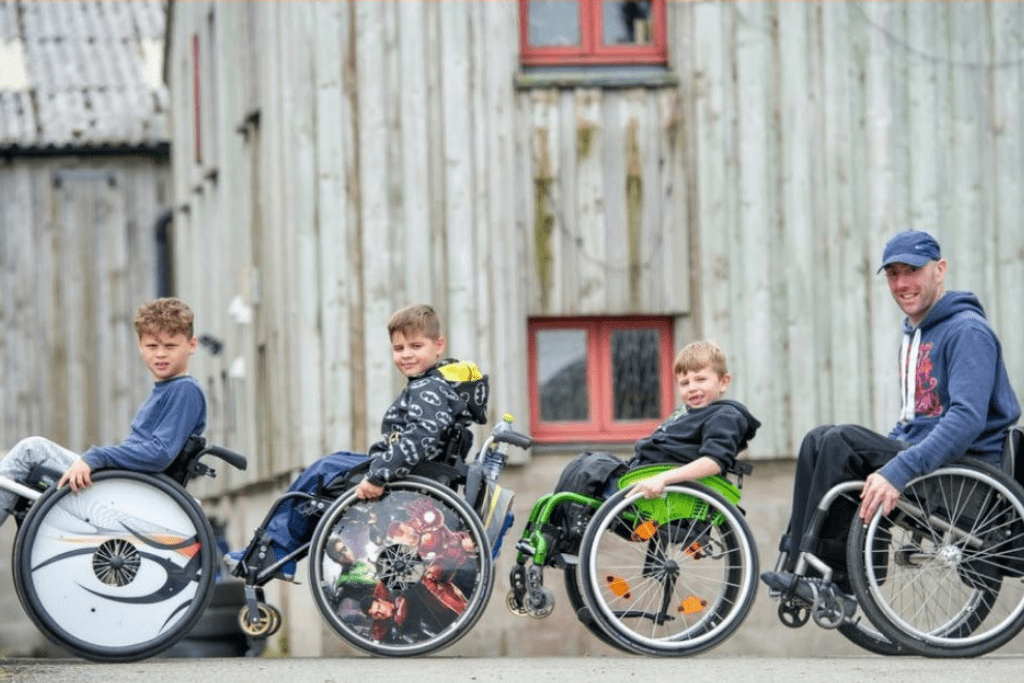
{"x": 599, "y": 379}
{"x": 561, "y": 32}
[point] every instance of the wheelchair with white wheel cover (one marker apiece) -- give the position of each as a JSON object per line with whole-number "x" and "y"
{"x": 123, "y": 569}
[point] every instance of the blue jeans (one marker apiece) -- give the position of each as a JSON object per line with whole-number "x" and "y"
{"x": 288, "y": 528}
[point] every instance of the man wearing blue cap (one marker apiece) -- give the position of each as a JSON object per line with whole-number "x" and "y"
{"x": 956, "y": 399}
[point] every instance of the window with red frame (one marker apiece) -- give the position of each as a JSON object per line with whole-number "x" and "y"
{"x": 599, "y": 379}
{"x": 560, "y": 32}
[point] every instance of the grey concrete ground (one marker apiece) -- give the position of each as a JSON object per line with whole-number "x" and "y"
{"x": 520, "y": 670}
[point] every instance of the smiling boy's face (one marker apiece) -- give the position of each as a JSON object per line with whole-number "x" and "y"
{"x": 698, "y": 388}
{"x": 416, "y": 353}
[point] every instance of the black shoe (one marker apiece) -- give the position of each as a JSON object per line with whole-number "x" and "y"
{"x": 806, "y": 588}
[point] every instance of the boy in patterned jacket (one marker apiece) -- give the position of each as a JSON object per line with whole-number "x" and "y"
{"x": 413, "y": 430}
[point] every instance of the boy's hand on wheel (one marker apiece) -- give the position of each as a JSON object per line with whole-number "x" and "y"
{"x": 367, "y": 490}
{"x": 79, "y": 475}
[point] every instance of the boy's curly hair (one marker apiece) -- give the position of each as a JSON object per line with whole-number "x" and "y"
{"x": 699, "y": 355}
{"x": 167, "y": 315}
{"x": 416, "y": 318}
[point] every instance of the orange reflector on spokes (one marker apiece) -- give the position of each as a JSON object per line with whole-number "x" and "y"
{"x": 619, "y": 586}
{"x": 692, "y": 605}
{"x": 645, "y": 530}
{"x": 694, "y": 550}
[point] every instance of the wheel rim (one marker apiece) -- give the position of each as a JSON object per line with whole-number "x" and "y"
{"x": 404, "y": 575}
{"x": 940, "y": 578}
{"x": 673, "y": 588}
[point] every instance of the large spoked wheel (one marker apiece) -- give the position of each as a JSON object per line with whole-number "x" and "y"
{"x": 406, "y": 574}
{"x": 119, "y": 571}
{"x": 671, "y": 588}
{"x": 941, "y": 574}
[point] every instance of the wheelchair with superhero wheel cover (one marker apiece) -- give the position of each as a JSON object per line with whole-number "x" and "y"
{"x": 670, "y": 576}
{"x": 122, "y": 569}
{"x": 941, "y": 576}
{"x": 403, "y": 575}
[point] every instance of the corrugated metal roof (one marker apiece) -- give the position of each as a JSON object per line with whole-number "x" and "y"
{"x": 75, "y": 74}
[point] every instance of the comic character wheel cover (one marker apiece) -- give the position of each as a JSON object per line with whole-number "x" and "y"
{"x": 115, "y": 572}
{"x": 406, "y": 574}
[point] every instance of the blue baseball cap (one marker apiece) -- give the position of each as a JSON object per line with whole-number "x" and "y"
{"x": 912, "y": 247}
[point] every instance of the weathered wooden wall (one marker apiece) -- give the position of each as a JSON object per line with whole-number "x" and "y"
{"x": 362, "y": 155}
{"x": 77, "y": 256}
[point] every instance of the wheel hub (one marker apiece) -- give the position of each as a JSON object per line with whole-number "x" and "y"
{"x": 116, "y": 562}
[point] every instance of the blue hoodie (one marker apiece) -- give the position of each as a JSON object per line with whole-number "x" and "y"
{"x": 962, "y": 399}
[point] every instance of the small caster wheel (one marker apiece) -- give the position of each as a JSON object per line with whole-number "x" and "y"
{"x": 541, "y": 602}
{"x": 513, "y": 604}
{"x": 266, "y": 623}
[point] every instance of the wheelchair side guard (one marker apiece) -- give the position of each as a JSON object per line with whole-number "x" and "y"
{"x": 678, "y": 505}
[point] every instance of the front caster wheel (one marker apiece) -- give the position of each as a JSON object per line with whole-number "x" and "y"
{"x": 265, "y": 624}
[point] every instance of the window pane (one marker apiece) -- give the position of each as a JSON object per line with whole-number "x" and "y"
{"x": 562, "y": 375}
{"x": 626, "y": 22}
{"x": 636, "y": 385}
{"x": 554, "y": 22}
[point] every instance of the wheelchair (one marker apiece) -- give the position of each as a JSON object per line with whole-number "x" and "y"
{"x": 123, "y": 569}
{"x": 671, "y": 576}
{"x": 941, "y": 576}
{"x": 408, "y": 573}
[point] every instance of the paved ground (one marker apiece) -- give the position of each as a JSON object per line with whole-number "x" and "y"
{"x": 501, "y": 670}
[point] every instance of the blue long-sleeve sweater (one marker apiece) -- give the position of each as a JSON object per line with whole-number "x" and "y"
{"x": 175, "y": 410}
{"x": 962, "y": 398}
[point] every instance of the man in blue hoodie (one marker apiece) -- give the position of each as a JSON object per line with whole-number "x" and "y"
{"x": 956, "y": 399}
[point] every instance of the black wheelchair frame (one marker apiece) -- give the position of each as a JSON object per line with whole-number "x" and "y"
{"x": 123, "y": 569}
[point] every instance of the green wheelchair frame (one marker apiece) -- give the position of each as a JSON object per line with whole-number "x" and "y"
{"x": 668, "y": 576}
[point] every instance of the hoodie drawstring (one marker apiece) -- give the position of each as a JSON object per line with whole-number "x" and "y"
{"x": 909, "y": 351}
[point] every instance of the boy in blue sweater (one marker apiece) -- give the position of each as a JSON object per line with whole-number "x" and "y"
{"x": 174, "y": 410}
{"x": 956, "y": 396}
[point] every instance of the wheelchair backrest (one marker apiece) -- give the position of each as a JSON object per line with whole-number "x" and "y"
{"x": 180, "y": 468}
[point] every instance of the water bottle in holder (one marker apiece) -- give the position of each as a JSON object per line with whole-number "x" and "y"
{"x": 497, "y": 454}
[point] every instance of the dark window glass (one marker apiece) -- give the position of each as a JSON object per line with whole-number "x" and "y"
{"x": 636, "y": 381}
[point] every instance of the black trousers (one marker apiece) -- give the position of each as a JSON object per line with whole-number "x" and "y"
{"x": 830, "y": 455}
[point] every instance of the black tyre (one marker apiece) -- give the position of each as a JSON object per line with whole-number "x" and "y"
{"x": 865, "y": 636}
{"x": 582, "y": 612}
{"x": 933, "y": 575}
{"x": 119, "y": 571}
{"x": 406, "y": 574}
{"x": 672, "y": 585}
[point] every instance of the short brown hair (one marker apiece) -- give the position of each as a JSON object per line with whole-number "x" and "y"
{"x": 167, "y": 315}
{"x": 699, "y": 355}
{"x": 416, "y": 318}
